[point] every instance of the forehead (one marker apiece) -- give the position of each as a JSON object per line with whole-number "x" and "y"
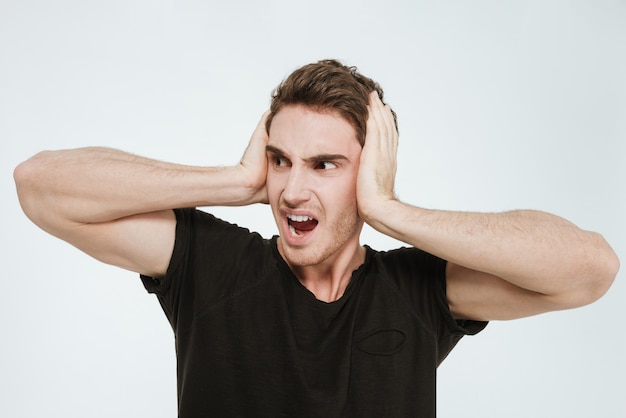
{"x": 301, "y": 128}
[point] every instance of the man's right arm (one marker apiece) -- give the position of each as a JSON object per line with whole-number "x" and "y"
{"x": 117, "y": 207}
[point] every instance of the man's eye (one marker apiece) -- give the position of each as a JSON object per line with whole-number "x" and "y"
{"x": 279, "y": 161}
{"x": 326, "y": 165}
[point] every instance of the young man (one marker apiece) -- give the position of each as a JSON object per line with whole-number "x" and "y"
{"x": 310, "y": 322}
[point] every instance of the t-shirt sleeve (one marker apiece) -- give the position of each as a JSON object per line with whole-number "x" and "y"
{"x": 167, "y": 288}
{"x": 421, "y": 278}
{"x": 451, "y": 330}
{"x": 211, "y": 260}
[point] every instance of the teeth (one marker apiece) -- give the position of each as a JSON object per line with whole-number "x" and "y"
{"x": 299, "y": 218}
{"x": 293, "y": 232}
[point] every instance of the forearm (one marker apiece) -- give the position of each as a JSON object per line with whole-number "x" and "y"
{"x": 533, "y": 250}
{"x": 90, "y": 185}
{"x": 501, "y": 265}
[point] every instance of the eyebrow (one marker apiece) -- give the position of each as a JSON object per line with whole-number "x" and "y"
{"x": 274, "y": 150}
{"x": 315, "y": 158}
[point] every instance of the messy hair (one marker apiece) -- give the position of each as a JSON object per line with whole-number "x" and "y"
{"x": 328, "y": 85}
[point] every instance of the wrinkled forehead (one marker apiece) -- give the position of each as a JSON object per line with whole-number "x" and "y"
{"x": 300, "y": 116}
{"x": 300, "y": 128}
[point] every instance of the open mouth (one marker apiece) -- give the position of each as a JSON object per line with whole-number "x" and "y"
{"x": 300, "y": 225}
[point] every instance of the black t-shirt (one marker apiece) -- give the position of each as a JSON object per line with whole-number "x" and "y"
{"x": 252, "y": 341}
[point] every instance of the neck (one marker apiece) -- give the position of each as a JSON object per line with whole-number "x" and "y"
{"x": 329, "y": 279}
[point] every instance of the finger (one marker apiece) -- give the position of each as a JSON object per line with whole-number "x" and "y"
{"x": 384, "y": 116}
{"x": 383, "y": 124}
{"x": 258, "y": 140}
{"x": 375, "y": 121}
{"x": 260, "y": 134}
{"x": 260, "y": 127}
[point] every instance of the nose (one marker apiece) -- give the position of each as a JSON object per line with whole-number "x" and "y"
{"x": 297, "y": 188}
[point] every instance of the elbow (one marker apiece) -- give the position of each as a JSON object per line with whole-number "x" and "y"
{"x": 29, "y": 170}
{"x": 601, "y": 271}
{"x": 24, "y": 177}
{"x": 28, "y": 177}
{"x": 608, "y": 272}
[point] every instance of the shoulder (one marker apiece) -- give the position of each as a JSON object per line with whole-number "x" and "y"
{"x": 416, "y": 276}
{"x": 409, "y": 262}
{"x": 212, "y": 258}
{"x": 201, "y": 234}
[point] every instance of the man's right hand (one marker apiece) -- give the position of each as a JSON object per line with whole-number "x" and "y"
{"x": 118, "y": 207}
{"x": 253, "y": 164}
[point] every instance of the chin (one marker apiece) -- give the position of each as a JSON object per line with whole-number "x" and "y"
{"x": 302, "y": 257}
{"x": 312, "y": 254}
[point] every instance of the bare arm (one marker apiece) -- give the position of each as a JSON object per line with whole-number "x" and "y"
{"x": 117, "y": 207}
{"x": 500, "y": 265}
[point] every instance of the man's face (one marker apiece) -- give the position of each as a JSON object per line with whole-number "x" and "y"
{"x": 313, "y": 161}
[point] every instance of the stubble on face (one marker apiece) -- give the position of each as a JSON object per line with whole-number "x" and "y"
{"x": 300, "y": 134}
{"x": 347, "y": 227}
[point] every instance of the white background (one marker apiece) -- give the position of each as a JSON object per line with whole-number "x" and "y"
{"x": 502, "y": 105}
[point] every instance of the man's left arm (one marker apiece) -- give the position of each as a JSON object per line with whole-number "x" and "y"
{"x": 500, "y": 265}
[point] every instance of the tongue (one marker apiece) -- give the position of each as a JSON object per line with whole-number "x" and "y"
{"x": 304, "y": 226}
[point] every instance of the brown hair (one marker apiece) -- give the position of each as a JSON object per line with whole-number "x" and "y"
{"x": 328, "y": 85}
